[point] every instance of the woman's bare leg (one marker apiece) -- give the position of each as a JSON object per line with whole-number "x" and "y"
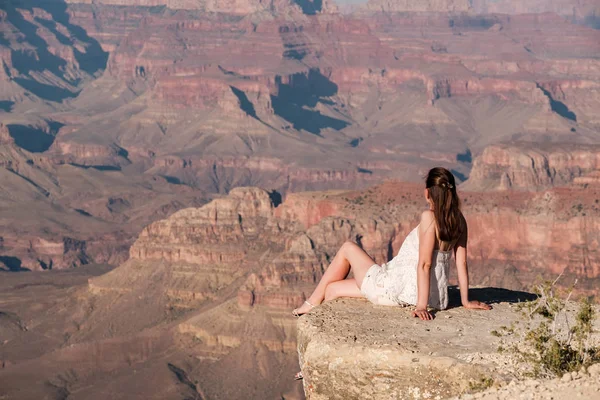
{"x": 350, "y": 255}
{"x": 345, "y": 288}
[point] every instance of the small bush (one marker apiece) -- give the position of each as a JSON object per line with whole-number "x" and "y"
{"x": 482, "y": 384}
{"x": 552, "y": 352}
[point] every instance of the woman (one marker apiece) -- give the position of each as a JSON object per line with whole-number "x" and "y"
{"x": 418, "y": 275}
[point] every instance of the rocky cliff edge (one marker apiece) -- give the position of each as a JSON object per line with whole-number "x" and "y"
{"x": 351, "y": 349}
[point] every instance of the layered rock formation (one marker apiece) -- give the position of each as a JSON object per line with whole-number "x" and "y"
{"x": 62, "y": 216}
{"x": 443, "y": 6}
{"x": 239, "y": 264}
{"x": 209, "y": 291}
{"x": 278, "y": 251}
{"x": 221, "y": 98}
{"x": 225, "y": 277}
{"x": 239, "y": 7}
{"x": 524, "y": 167}
{"x": 577, "y": 10}
{"x": 283, "y": 95}
{"x": 43, "y": 54}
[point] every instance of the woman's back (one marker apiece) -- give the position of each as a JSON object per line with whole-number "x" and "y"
{"x": 401, "y": 271}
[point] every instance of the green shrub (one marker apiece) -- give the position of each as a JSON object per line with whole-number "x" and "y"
{"x": 480, "y": 385}
{"x": 552, "y": 352}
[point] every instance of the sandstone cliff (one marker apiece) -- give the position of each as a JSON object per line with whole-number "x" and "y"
{"x": 209, "y": 291}
{"x": 38, "y": 62}
{"x": 44, "y": 201}
{"x": 350, "y": 349}
{"x": 237, "y": 265}
{"x": 442, "y": 6}
{"x": 577, "y": 10}
{"x": 216, "y": 100}
{"x": 241, "y": 7}
{"x": 276, "y": 252}
{"x": 226, "y": 276}
{"x": 525, "y": 167}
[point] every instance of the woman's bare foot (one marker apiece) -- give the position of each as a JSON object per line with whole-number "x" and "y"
{"x": 303, "y": 309}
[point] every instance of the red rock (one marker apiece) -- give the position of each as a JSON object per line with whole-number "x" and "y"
{"x": 525, "y": 168}
{"x": 561, "y": 7}
{"x": 5, "y": 137}
{"x": 222, "y": 75}
{"x": 443, "y": 6}
{"x": 204, "y": 99}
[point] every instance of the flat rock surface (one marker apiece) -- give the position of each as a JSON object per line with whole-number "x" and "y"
{"x": 360, "y": 323}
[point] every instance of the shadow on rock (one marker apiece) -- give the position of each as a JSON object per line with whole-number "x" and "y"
{"x": 92, "y": 60}
{"x": 34, "y": 139}
{"x": 12, "y": 263}
{"x": 296, "y": 99}
{"x": 490, "y": 295}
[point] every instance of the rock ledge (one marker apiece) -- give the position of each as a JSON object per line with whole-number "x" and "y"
{"x": 351, "y": 349}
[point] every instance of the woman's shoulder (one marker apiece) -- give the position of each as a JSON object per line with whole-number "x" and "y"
{"x": 427, "y": 220}
{"x": 427, "y": 216}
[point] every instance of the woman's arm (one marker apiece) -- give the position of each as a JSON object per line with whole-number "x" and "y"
{"x": 460, "y": 255}
{"x": 426, "y": 247}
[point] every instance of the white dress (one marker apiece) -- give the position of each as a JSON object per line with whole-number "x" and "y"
{"x": 395, "y": 282}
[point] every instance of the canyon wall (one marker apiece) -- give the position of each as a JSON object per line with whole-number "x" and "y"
{"x": 231, "y": 271}
{"x": 251, "y": 256}
{"x": 217, "y": 100}
{"x": 239, "y": 7}
{"x": 207, "y": 293}
{"x": 37, "y": 58}
{"x": 278, "y": 95}
{"x": 63, "y": 216}
{"x": 523, "y": 167}
{"x": 350, "y": 349}
{"x": 573, "y": 9}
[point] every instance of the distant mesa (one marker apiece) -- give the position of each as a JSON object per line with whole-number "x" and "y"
{"x": 583, "y": 11}
{"x": 523, "y": 166}
{"x": 308, "y": 7}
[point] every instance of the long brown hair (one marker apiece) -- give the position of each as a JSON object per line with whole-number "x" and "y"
{"x": 446, "y": 205}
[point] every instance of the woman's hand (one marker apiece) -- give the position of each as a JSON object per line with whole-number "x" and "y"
{"x": 423, "y": 314}
{"x": 477, "y": 305}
